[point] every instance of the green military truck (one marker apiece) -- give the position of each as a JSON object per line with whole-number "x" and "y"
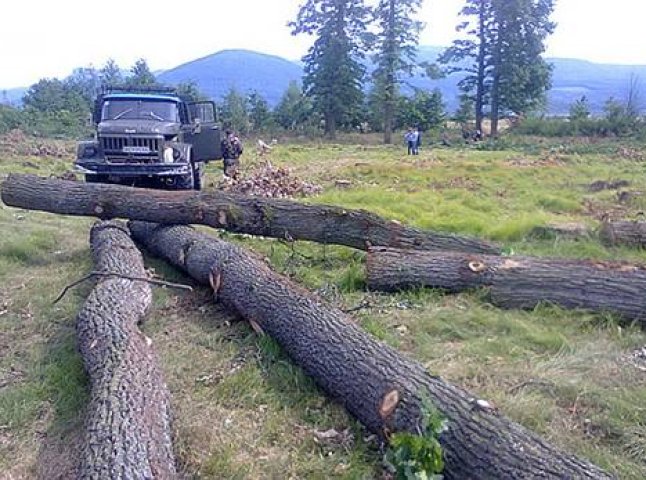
{"x": 149, "y": 137}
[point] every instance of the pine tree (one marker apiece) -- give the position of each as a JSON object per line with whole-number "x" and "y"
{"x": 472, "y": 54}
{"x": 521, "y": 77}
{"x": 502, "y": 45}
{"x": 294, "y": 110}
{"x": 397, "y": 40}
{"x": 333, "y": 71}
{"x": 259, "y": 112}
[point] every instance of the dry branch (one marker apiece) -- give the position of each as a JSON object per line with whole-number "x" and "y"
{"x": 376, "y": 384}
{"x": 127, "y": 427}
{"x": 91, "y": 275}
{"x": 276, "y": 218}
{"x": 515, "y": 282}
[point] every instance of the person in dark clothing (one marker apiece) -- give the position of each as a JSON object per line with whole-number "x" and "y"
{"x": 231, "y": 151}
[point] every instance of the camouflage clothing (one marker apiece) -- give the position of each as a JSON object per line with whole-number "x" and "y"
{"x": 231, "y": 151}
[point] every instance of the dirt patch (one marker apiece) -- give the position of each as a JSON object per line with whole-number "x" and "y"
{"x": 548, "y": 160}
{"x": 59, "y": 454}
{"x": 16, "y": 143}
{"x": 604, "y": 211}
{"x": 269, "y": 181}
{"x": 630, "y": 154}
{"x": 455, "y": 183}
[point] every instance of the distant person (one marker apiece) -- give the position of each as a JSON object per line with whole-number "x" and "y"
{"x": 446, "y": 142}
{"x": 419, "y": 140}
{"x": 231, "y": 151}
{"x": 411, "y": 138}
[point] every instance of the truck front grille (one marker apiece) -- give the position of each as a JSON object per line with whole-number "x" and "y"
{"x": 133, "y": 149}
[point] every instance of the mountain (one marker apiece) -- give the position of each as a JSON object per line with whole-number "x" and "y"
{"x": 270, "y": 75}
{"x": 571, "y": 79}
{"x": 598, "y": 82}
{"x": 243, "y": 70}
{"x": 13, "y": 96}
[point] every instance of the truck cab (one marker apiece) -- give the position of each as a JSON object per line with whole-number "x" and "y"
{"x": 149, "y": 137}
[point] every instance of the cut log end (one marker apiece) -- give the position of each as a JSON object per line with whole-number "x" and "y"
{"x": 388, "y": 404}
{"x": 477, "y": 266}
{"x": 222, "y": 218}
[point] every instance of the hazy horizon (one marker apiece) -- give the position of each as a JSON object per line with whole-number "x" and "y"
{"x": 53, "y": 43}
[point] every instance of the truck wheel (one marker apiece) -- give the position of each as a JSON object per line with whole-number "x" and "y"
{"x": 198, "y": 175}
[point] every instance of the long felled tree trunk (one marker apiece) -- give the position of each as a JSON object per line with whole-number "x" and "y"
{"x": 377, "y": 385}
{"x": 627, "y": 233}
{"x": 237, "y": 213}
{"x": 127, "y": 428}
{"x": 516, "y": 282}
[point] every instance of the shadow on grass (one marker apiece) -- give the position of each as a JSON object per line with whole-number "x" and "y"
{"x": 66, "y": 388}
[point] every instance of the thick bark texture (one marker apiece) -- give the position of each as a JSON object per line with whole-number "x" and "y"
{"x": 377, "y": 385}
{"x": 516, "y": 282}
{"x": 624, "y": 233}
{"x": 127, "y": 427}
{"x": 237, "y": 213}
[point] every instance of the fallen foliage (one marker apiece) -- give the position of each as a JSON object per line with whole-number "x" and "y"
{"x": 269, "y": 181}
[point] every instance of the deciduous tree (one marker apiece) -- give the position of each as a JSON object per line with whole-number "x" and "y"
{"x": 141, "y": 75}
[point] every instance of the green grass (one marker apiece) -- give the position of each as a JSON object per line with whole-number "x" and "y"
{"x": 243, "y": 410}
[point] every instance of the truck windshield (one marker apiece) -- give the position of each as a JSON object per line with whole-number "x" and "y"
{"x": 162, "y": 111}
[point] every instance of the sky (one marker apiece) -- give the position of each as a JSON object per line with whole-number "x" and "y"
{"x": 43, "y": 38}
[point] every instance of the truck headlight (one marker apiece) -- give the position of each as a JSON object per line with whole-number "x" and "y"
{"x": 169, "y": 155}
{"x": 172, "y": 154}
{"x": 89, "y": 151}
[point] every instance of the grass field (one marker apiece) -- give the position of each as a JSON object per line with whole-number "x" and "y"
{"x": 244, "y": 411}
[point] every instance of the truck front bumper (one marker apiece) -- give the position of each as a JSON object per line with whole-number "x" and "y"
{"x": 132, "y": 169}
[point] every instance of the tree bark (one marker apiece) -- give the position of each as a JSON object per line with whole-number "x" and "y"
{"x": 624, "y": 233}
{"x": 237, "y": 213}
{"x": 380, "y": 387}
{"x": 516, "y": 282}
{"x": 127, "y": 428}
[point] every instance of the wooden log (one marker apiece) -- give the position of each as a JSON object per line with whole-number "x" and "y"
{"x": 283, "y": 219}
{"x": 127, "y": 428}
{"x": 516, "y": 282}
{"x": 632, "y": 234}
{"x": 377, "y": 385}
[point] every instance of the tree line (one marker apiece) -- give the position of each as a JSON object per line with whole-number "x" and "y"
{"x": 356, "y": 74}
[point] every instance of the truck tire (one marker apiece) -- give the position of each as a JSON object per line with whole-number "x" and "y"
{"x": 95, "y": 178}
{"x": 186, "y": 182}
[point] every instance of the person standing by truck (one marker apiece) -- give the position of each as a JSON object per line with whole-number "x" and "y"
{"x": 231, "y": 151}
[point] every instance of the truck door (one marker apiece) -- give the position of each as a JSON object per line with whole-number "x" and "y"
{"x": 205, "y": 136}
